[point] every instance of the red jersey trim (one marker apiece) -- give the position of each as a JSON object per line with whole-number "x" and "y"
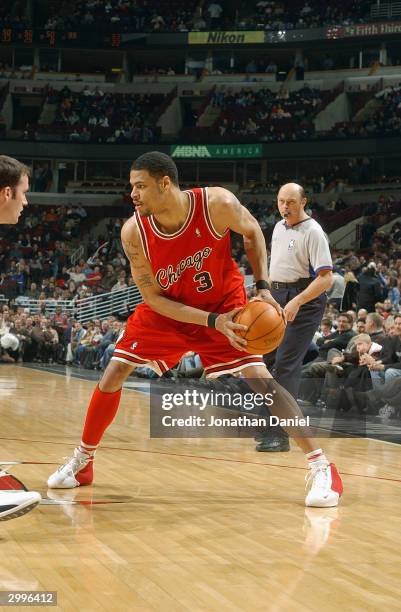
{"x": 205, "y": 205}
{"x": 182, "y": 229}
{"x": 162, "y": 365}
{"x": 142, "y": 235}
{"x": 236, "y": 363}
{"x": 126, "y": 353}
{"x": 232, "y": 367}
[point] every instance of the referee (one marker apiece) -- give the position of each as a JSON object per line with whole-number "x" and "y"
{"x": 300, "y": 273}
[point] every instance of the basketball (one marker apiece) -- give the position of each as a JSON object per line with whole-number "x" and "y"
{"x": 266, "y": 327}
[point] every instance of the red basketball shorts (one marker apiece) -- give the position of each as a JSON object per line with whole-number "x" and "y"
{"x": 158, "y": 342}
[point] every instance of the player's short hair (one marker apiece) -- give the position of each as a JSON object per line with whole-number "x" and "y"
{"x": 158, "y": 165}
{"x": 11, "y": 171}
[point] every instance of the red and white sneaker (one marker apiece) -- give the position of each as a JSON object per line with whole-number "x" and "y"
{"x": 325, "y": 486}
{"x": 15, "y": 499}
{"x": 17, "y": 503}
{"x": 77, "y": 471}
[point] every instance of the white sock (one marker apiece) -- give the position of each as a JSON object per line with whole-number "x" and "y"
{"x": 316, "y": 457}
{"x": 87, "y": 449}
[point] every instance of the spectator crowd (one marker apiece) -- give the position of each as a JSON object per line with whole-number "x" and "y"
{"x": 299, "y": 14}
{"x": 56, "y": 338}
{"x": 94, "y": 116}
{"x": 118, "y": 15}
{"x": 384, "y": 121}
{"x": 265, "y": 115}
{"x": 154, "y": 16}
{"x": 41, "y": 289}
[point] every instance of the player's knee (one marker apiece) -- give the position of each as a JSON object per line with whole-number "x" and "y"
{"x": 114, "y": 376}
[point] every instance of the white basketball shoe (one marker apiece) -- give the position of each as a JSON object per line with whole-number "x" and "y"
{"x": 325, "y": 485}
{"x": 17, "y": 503}
{"x": 75, "y": 472}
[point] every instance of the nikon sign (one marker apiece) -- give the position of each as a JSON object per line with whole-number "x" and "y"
{"x": 216, "y": 151}
{"x": 225, "y": 38}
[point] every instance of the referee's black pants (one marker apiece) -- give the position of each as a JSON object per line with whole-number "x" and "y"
{"x": 297, "y": 339}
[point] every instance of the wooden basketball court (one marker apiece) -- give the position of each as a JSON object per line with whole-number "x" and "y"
{"x": 191, "y": 525}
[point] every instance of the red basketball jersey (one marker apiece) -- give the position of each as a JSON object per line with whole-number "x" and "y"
{"x": 194, "y": 265}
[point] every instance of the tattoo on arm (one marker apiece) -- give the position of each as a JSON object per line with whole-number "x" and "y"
{"x": 132, "y": 251}
{"x": 139, "y": 266}
{"x": 144, "y": 281}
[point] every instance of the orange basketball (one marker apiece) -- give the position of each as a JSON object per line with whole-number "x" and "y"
{"x": 266, "y": 327}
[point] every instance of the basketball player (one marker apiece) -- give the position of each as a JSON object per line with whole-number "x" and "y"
{"x": 14, "y": 183}
{"x": 178, "y": 245}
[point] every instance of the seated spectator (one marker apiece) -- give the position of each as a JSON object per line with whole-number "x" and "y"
{"x": 338, "y": 339}
{"x": 77, "y": 275}
{"x": 85, "y": 350}
{"x": 77, "y": 333}
{"x": 330, "y": 348}
{"x": 359, "y": 379}
{"x": 59, "y": 321}
{"x": 50, "y": 344}
{"x": 389, "y": 364}
{"x": 121, "y": 282}
{"x": 374, "y": 327}
{"x": 94, "y": 276}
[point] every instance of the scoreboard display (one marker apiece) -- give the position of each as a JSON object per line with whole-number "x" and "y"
{"x": 53, "y": 38}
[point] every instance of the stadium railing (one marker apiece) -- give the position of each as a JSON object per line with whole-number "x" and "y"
{"x": 102, "y": 306}
{"x": 121, "y": 302}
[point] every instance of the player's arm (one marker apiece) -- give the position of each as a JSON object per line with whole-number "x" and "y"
{"x": 227, "y": 212}
{"x": 153, "y": 296}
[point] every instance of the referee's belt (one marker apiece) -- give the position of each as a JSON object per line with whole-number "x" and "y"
{"x": 301, "y": 283}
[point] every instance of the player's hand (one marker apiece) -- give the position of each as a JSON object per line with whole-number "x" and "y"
{"x": 225, "y": 325}
{"x": 264, "y": 295}
{"x": 291, "y": 309}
